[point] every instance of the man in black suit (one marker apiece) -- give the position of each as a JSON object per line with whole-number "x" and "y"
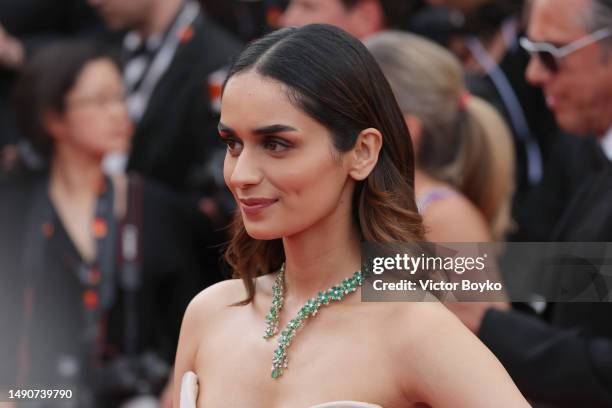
{"x": 566, "y": 360}
{"x": 173, "y": 59}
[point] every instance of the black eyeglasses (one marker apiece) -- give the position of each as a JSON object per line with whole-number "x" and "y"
{"x": 550, "y": 56}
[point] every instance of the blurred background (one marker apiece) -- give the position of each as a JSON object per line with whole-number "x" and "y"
{"x": 113, "y": 209}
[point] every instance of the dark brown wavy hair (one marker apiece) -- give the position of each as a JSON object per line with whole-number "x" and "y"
{"x": 332, "y": 77}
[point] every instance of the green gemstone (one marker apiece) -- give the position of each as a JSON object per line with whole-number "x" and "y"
{"x": 276, "y": 373}
{"x": 335, "y": 293}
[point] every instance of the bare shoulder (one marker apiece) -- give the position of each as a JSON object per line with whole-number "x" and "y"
{"x": 214, "y": 301}
{"x": 206, "y": 310}
{"x": 455, "y": 219}
{"x": 417, "y": 322}
{"x": 444, "y": 355}
{"x": 211, "y": 300}
{"x": 416, "y": 330}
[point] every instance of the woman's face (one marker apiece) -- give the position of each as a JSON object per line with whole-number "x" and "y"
{"x": 96, "y": 119}
{"x": 280, "y": 165}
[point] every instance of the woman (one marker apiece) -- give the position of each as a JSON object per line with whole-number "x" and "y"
{"x": 319, "y": 159}
{"x": 464, "y": 153}
{"x": 84, "y": 260}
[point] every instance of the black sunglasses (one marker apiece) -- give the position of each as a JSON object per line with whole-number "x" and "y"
{"x": 550, "y": 56}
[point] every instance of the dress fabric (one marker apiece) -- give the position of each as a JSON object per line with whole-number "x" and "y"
{"x": 432, "y": 196}
{"x": 189, "y": 396}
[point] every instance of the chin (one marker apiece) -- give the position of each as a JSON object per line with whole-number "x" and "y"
{"x": 263, "y": 234}
{"x": 574, "y": 127}
{"x": 118, "y": 144}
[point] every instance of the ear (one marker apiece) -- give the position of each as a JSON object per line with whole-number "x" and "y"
{"x": 415, "y": 126}
{"x": 364, "y": 155}
{"x": 54, "y": 123}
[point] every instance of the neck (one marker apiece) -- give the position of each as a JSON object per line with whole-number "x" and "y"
{"x": 75, "y": 174}
{"x": 322, "y": 256}
{"x": 160, "y": 17}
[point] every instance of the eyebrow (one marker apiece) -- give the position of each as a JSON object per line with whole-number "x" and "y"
{"x": 266, "y": 130}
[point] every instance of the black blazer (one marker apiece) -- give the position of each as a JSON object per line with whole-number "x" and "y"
{"x": 172, "y": 274}
{"x": 569, "y": 163}
{"x": 177, "y": 133}
{"x": 566, "y": 361}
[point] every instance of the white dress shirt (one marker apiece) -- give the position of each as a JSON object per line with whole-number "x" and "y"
{"x": 606, "y": 144}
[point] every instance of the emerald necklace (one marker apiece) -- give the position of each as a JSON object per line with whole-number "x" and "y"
{"x": 334, "y": 294}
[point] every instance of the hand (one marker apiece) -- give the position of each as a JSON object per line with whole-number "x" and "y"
{"x": 472, "y": 313}
{"x": 12, "y": 53}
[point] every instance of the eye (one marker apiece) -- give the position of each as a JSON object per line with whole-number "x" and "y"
{"x": 276, "y": 145}
{"x": 234, "y": 146}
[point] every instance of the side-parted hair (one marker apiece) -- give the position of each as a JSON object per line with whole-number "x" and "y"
{"x": 465, "y": 142}
{"x": 332, "y": 77}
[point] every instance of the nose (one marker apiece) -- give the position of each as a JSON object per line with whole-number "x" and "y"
{"x": 536, "y": 74}
{"x": 242, "y": 171}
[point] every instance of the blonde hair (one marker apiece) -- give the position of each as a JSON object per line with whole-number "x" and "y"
{"x": 465, "y": 142}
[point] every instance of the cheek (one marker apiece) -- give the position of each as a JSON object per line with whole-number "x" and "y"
{"x": 312, "y": 190}
{"x": 583, "y": 83}
{"x": 84, "y": 128}
{"x": 228, "y": 168}
{"x": 586, "y": 94}
{"x": 305, "y": 174}
{"x": 95, "y": 132}
{"x": 602, "y": 87}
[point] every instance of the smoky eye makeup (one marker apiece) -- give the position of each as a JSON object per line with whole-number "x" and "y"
{"x": 232, "y": 143}
{"x": 267, "y": 137}
{"x": 276, "y": 144}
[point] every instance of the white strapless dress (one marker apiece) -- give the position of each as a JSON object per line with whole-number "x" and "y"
{"x": 189, "y": 396}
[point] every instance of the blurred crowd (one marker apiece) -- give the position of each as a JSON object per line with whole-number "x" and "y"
{"x": 114, "y": 213}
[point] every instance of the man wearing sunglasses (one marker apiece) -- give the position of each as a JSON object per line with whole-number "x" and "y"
{"x": 572, "y": 62}
{"x": 566, "y": 361}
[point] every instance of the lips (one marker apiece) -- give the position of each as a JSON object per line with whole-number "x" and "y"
{"x": 253, "y": 206}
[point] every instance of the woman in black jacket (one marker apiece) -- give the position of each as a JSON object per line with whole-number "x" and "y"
{"x": 95, "y": 272}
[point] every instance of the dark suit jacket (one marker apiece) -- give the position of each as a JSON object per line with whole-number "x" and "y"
{"x": 569, "y": 163}
{"x": 172, "y": 274}
{"x": 567, "y": 361}
{"x": 177, "y": 133}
